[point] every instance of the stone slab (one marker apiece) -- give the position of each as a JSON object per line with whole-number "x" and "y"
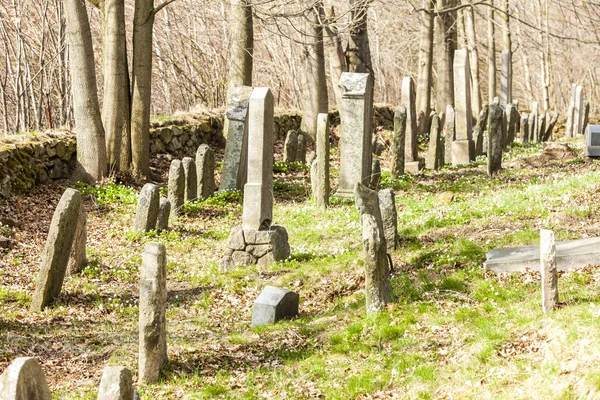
{"x": 274, "y": 304}
{"x": 414, "y": 167}
{"x": 569, "y": 254}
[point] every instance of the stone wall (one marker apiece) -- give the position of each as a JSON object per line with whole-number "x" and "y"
{"x": 40, "y": 158}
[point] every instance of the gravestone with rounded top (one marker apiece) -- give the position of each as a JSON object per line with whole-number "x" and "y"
{"x": 147, "y": 208}
{"x": 205, "y": 170}
{"x": 24, "y": 380}
{"x": 274, "y": 304}
{"x": 116, "y": 384}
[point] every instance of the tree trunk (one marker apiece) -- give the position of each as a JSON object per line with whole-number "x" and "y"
{"x": 91, "y": 148}
{"x": 126, "y": 132}
{"x": 446, "y": 44}
{"x": 314, "y": 83}
{"x": 242, "y": 44}
{"x": 143, "y": 22}
{"x": 425, "y": 67}
{"x": 337, "y": 62}
{"x": 507, "y": 46}
{"x": 114, "y": 79}
{"x": 474, "y": 61}
{"x": 358, "y": 53}
{"x": 491, "y": 55}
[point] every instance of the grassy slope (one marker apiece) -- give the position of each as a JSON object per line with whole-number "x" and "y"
{"x": 456, "y": 331}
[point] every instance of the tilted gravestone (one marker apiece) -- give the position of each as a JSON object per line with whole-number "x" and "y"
{"x": 57, "y": 250}
{"x": 274, "y": 304}
{"x": 375, "y": 174}
{"x": 301, "y": 150}
{"x": 495, "y": 130}
{"x": 479, "y": 130}
{"x": 190, "y": 192}
{"x": 77, "y": 260}
{"x": 398, "y": 142}
{"x": 176, "y": 188}
{"x": 541, "y": 127}
{"x": 548, "y": 270}
{"x": 412, "y": 163}
{"x": 24, "y": 380}
{"x": 205, "y": 169}
{"x": 462, "y": 147}
{"x": 436, "y": 151}
{"x": 524, "y": 131}
{"x": 586, "y": 116}
{"x": 116, "y": 384}
{"x": 378, "y": 291}
{"x": 257, "y": 241}
{"x": 233, "y": 173}
{"x": 290, "y": 147}
{"x": 355, "y": 141}
{"x": 449, "y": 130}
{"x": 152, "y": 320}
{"x": 389, "y": 217}
{"x": 147, "y": 208}
{"x": 164, "y": 212}
{"x": 511, "y": 116}
{"x": 320, "y": 166}
{"x": 579, "y": 111}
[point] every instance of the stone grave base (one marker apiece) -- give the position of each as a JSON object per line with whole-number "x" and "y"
{"x": 570, "y": 254}
{"x": 461, "y": 152}
{"x": 414, "y": 167}
{"x": 249, "y": 246}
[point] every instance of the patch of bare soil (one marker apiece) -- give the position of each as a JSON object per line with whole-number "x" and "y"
{"x": 553, "y": 152}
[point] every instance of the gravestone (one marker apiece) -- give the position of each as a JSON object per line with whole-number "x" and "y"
{"x": 389, "y": 218}
{"x": 412, "y": 163}
{"x": 449, "y": 130}
{"x": 233, "y": 173}
{"x": 512, "y": 116}
{"x": 152, "y": 320}
{"x": 205, "y": 168}
{"x": 377, "y": 146}
{"x": 398, "y": 142}
{"x": 191, "y": 179}
{"x": 592, "y": 141}
{"x": 320, "y": 166}
{"x": 586, "y": 116}
{"x": 355, "y": 141}
{"x": 548, "y": 270}
{"x": 77, "y": 259}
{"x": 274, "y": 304}
{"x": 436, "y": 151}
{"x": 290, "y": 147}
{"x": 462, "y": 147}
{"x": 533, "y": 123}
{"x": 24, "y": 380}
{"x": 541, "y": 126}
{"x": 479, "y": 130}
{"x": 571, "y": 112}
{"x": 506, "y": 79}
{"x": 164, "y": 212}
{"x": 550, "y": 127}
{"x": 176, "y": 188}
{"x": 146, "y": 212}
{"x": 375, "y": 174}
{"x": 378, "y": 291}
{"x": 495, "y": 130}
{"x": 57, "y": 250}
{"x": 257, "y": 241}
{"x": 301, "y": 151}
{"x": 524, "y": 131}
{"x": 579, "y": 111}
{"x": 116, "y": 384}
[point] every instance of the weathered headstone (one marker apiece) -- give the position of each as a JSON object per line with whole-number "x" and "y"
{"x": 146, "y": 212}
{"x": 116, "y": 384}
{"x": 479, "y": 130}
{"x": 541, "y": 127}
{"x": 24, "y": 380}
{"x": 375, "y": 174}
{"x": 462, "y": 147}
{"x": 77, "y": 260}
{"x": 586, "y": 116}
{"x": 378, "y": 291}
{"x": 592, "y": 141}
{"x": 153, "y": 303}
{"x": 320, "y": 178}
{"x": 506, "y": 79}
{"x": 548, "y": 270}
{"x": 290, "y": 147}
{"x": 164, "y": 212}
{"x": 524, "y": 131}
{"x": 205, "y": 168}
{"x": 511, "y": 115}
{"x": 398, "y": 141}
{"x": 301, "y": 151}
{"x": 449, "y": 130}
{"x": 274, "y": 304}
{"x": 579, "y": 111}
{"x": 57, "y": 250}
{"x": 389, "y": 217}
{"x": 377, "y": 146}
{"x": 533, "y": 123}
{"x": 412, "y": 163}
{"x": 233, "y": 173}
{"x": 355, "y": 141}
{"x": 176, "y": 188}
{"x": 495, "y": 130}
{"x": 550, "y": 127}
{"x": 191, "y": 179}
{"x": 436, "y": 151}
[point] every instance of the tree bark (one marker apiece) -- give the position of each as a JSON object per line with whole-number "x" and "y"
{"x": 242, "y": 44}
{"x": 358, "y": 52}
{"x": 425, "y": 67}
{"x": 91, "y": 148}
{"x": 474, "y": 61}
{"x": 491, "y": 55}
{"x": 446, "y": 44}
{"x": 337, "y": 62}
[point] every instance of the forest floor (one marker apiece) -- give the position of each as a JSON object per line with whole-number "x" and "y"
{"x": 455, "y": 331}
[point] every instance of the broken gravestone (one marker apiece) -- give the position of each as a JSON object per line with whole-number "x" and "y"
{"x": 24, "y": 380}
{"x": 274, "y": 304}
{"x": 116, "y": 384}
{"x": 389, "y": 217}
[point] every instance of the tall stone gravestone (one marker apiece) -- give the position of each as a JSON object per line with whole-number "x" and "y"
{"x": 57, "y": 250}
{"x": 205, "y": 169}
{"x": 412, "y": 163}
{"x": 533, "y": 123}
{"x": 506, "y": 79}
{"x": 548, "y": 270}
{"x": 355, "y": 142}
{"x": 24, "y": 380}
{"x": 176, "y": 187}
{"x": 257, "y": 241}
{"x": 320, "y": 166}
{"x": 479, "y": 130}
{"x": 435, "y": 153}
{"x": 524, "y": 131}
{"x": 462, "y": 147}
{"x": 152, "y": 320}
{"x": 233, "y": 173}
{"x": 389, "y": 217}
{"x": 495, "y": 133}
{"x": 191, "y": 179}
{"x": 399, "y": 141}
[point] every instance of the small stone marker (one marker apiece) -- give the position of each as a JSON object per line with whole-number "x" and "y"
{"x": 146, "y": 212}
{"x": 205, "y": 168}
{"x": 77, "y": 260}
{"x": 235, "y": 161}
{"x": 153, "y": 303}
{"x": 57, "y": 250}
{"x": 548, "y": 270}
{"x": 462, "y": 147}
{"x": 176, "y": 188}
{"x": 116, "y": 384}
{"x": 274, "y": 304}
{"x": 301, "y": 151}
{"x": 261, "y": 247}
{"x": 290, "y": 146}
{"x": 378, "y": 291}
{"x": 586, "y": 116}
{"x": 355, "y": 141}
{"x": 164, "y": 211}
{"x": 320, "y": 180}
{"x": 449, "y": 132}
{"x": 495, "y": 129}
{"x": 389, "y": 217}
{"x": 398, "y": 142}
{"x": 511, "y": 124}
{"x": 524, "y": 132}
{"x": 24, "y": 380}
{"x": 533, "y": 123}
{"x": 375, "y": 174}
{"x": 436, "y": 151}
{"x": 191, "y": 179}
{"x": 541, "y": 127}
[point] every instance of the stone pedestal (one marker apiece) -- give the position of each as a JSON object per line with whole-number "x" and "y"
{"x": 461, "y": 148}
{"x": 250, "y": 246}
